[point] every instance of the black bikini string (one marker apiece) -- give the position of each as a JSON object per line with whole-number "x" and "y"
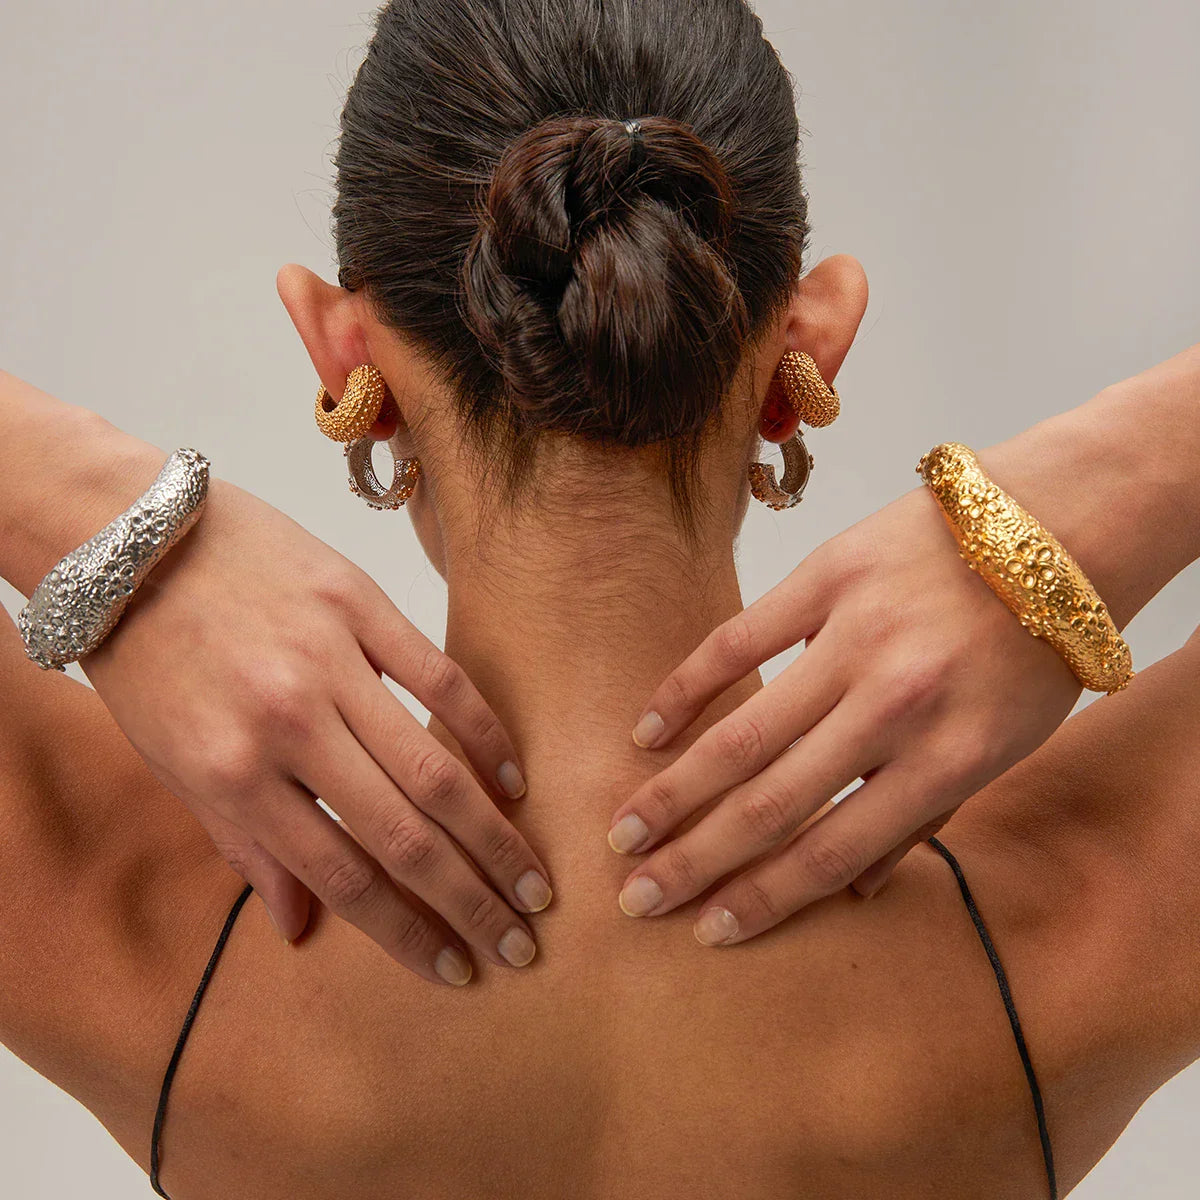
{"x": 183, "y": 1033}
{"x": 969, "y": 900}
{"x": 1010, "y": 1008}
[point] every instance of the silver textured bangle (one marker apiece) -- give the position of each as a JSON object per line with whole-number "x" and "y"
{"x": 79, "y": 601}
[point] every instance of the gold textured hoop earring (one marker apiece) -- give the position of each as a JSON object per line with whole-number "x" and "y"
{"x": 816, "y": 403}
{"x": 351, "y": 417}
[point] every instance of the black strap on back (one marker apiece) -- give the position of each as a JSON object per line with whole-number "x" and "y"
{"x": 969, "y": 900}
{"x": 1011, "y": 1009}
{"x": 183, "y": 1033}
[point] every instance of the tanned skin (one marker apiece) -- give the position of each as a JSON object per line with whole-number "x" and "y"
{"x": 860, "y": 1048}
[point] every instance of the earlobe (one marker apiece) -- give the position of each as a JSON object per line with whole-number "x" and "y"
{"x": 778, "y": 420}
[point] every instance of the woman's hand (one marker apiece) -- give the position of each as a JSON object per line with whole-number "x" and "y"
{"x": 247, "y": 673}
{"x": 914, "y": 677}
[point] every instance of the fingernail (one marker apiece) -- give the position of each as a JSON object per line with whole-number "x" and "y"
{"x": 628, "y": 834}
{"x": 287, "y": 941}
{"x": 516, "y": 947}
{"x": 533, "y": 891}
{"x": 640, "y": 896}
{"x": 714, "y": 926}
{"x": 453, "y": 966}
{"x": 868, "y": 888}
{"x": 510, "y": 779}
{"x": 648, "y": 730}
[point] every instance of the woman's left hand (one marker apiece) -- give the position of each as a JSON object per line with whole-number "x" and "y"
{"x": 915, "y": 677}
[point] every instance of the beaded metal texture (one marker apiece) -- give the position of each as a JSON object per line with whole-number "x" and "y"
{"x": 79, "y": 601}
{"x": 797, "y": 469}
{"x": 799, "y": 384}
{"x": 365, "y": 484}
{"x": 351, "y": 417}
{"x": 1027, "y": 567}
{"x": 815, "y": 402}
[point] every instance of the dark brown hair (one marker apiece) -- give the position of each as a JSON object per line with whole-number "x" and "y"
{"x": 560, "y": 271}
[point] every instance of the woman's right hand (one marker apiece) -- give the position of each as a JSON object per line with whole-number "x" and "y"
{"x": 246, "y": 672}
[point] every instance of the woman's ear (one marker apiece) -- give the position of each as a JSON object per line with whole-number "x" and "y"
{"x": 828, "y": 308}
{"x": 328, "y": 320}
{"x": 822, "y": 320}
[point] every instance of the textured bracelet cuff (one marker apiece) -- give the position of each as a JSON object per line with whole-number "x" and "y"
{"x": 79, "y": 601}
{"x": 1027, "y": 567}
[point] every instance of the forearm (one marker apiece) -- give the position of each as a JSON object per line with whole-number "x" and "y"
{"x": 65, "y": 472}
{"x": 1117, "y": 481}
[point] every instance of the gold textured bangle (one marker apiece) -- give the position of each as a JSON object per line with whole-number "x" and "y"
{"x": 1028, "y": 568}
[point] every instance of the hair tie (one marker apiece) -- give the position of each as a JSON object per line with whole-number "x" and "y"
{"x": 637, "y": 143}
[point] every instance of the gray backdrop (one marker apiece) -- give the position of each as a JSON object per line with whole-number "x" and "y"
{"x": 1021, "y": 184}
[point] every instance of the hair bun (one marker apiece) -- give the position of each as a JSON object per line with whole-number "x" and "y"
{"x": 600, "y": 282}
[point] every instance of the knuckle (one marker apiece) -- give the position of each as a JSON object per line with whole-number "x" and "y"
{"x": 437, "y": 778}
{"x": 480, "y": 914}
{"x": 657, "y": 803}
{"x": 876, "y": 621}
{"x": 338, "y": 588}
{"x": 484, "y": 728}
{"x": 756, "y": 900}
{"x": 347, "y": 883}
{"x": 408, "y": 845}
{"x": 913, "y": 687}
{"x": 767, "y": 816}
{"x": 733, "y": 644}
{"x": 235, "y": 854}
{"x": 505, "y": 849}
{"x": 284, "y": 702}
{"x": 831, "y": 865}
{"x": 411, "y": 932}
{"x": 675, "y": 695}
{"x": 441, "y": 676}
{"x": 679, "y": 867}
{"x": 232, "y": 770}
{"x": 850, "y": 558}
{"x": 742, "y": 743}
{"x": 955, "y": 776}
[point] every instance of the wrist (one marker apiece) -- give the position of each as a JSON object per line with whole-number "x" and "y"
{"x": 1117, "y": 481}
{"x": 71, "y": 494}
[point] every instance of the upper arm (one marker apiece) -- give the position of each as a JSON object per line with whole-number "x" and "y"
{"x": 1085, "y": 859}
{"x": 113, "y": 895}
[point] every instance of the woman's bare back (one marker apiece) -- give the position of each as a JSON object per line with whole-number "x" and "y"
{"x": 836, "y": 1054}
{"x": 860, "y": 1049}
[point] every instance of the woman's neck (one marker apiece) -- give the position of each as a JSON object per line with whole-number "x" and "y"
{"x": 568, "y": 633}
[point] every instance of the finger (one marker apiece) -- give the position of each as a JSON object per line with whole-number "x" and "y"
{"x": 733, "y": 750}
{"x": 778, "y": 620}
{"x": 285, "y": 897}
{"x": 291, "y": 826}
{"x": 830, "y": 854}
{"x": 442, "y": 788}
{"x": 760, "y": 815}
{"x": 876, "y": 876}
{"x": 416, "y": 850}
{"x": 407, "y": 656}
